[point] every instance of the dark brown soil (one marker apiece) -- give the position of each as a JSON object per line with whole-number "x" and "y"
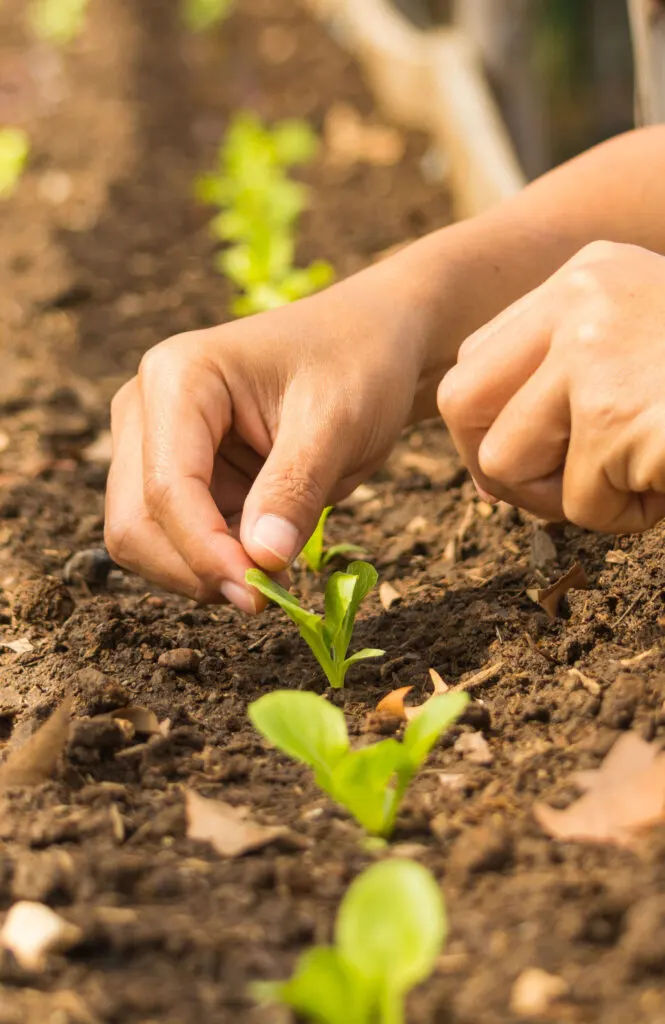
{"x": 172, "y": 933}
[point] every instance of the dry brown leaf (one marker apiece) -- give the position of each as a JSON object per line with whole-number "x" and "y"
{"x": 225, "y": 828}
{"x": 388, "y": 595}
{"x": 144, "y": 720}
{"x": 622, "y": 797}
{"x": 37, "y": 759}
{"x": 393, "y": 702}
{"x": 550, "y": 597}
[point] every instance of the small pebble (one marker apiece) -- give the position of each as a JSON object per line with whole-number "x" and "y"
{"x": 182, "y": 659}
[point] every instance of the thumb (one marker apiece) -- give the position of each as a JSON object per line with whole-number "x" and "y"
{"x": 291, "y": 490}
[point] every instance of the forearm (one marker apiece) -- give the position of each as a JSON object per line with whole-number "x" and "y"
{"x": 462, "y": 276}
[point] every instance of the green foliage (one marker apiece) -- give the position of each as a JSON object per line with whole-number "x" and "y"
{"x": 315, "y": 555}
{"x": 57, "y": 21}
{"x": 390, "y": 929}
{"x": 14, "y": 150}
{"x": 201, "y": 15}
{"x": 369, "y": 782}
{"x": 329, "y": 636}
{"x": 259, "y": 207}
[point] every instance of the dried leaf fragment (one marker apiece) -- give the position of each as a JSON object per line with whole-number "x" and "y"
{"x": 144, "y": 720}
{"x": 225, "y": 828}
{"x": 622, "y": 797}
{"x": 37, "y": 759}
{"x": 31, "y": 931}
{"x": 20, "y": 646}
{"x": 550, "y": 597}
{"x": 388, "y": 595}
{"x": 393, "y": 703}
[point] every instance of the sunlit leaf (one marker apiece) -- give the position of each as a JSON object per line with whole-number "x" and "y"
{"x": 304, "y": 726}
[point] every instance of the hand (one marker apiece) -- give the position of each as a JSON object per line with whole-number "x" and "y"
{"x": 230, "y": 441}
{"x": 558, "y": 405}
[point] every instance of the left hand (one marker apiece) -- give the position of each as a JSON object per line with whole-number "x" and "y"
{"x": 558, "y": 404}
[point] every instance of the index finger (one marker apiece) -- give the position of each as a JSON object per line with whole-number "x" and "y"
{"x": 186, "y": 412}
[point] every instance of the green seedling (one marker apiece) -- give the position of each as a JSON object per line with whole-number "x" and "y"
{"x": 259, "y": 208}
{"x": 390, "y": 929}
{"x": 328, "y": 636}
{"x": 14, "y": 150}
{"x": 315, "y": 555}
{"x": 371, "y": 781}
{"x": 57, "y": 21}
{"x": 201, "y": 15}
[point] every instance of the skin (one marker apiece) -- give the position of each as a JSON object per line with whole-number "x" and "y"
{"x": 229, "y": 442}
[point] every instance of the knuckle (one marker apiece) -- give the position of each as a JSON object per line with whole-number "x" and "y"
{"x": 598, "y": 251}
{"x": 118, "y": 537}
{"x": 157, "y": 494}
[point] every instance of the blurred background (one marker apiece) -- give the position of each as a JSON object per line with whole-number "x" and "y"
{"x": 562, "y": 69}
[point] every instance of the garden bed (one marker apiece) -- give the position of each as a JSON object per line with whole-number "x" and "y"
{"x": 104, "y": 254}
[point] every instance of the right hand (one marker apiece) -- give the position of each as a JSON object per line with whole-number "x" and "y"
{"x": 230, "y": 441}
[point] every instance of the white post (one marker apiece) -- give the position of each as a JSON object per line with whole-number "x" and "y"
{"x": 647, "y": 18}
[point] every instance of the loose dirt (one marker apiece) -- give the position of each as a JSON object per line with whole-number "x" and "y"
{"x": 103, "y": 254}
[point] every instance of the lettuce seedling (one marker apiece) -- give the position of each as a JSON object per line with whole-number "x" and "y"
{"x": 58, "y": 21}
{"x": 14, "y": 150}
{"x": 371, "y": 781}
{"x": 390, "y": 929}
{"x": 201, "y": 15}
{"x": 329, "y": 636}
{"x": 260, "y": 206}
{"x": 315, "y": 555}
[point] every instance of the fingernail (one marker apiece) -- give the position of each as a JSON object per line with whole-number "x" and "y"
{"x": 278, "y": 536}
{"x": 483, "y": 494}
{"x": 239, "y": 596}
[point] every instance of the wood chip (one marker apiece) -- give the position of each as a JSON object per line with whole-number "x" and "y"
{"x": 145, "y": 722}
{"x": 474, "y": 748}
{"x": 31, "y": 931}
{"x": 617, "y": 557}
{"x": 388, "y": 595}
{"x": 225, "y": 828}
{"x": 550, "y": 597}
{"x": 478, "y": 678}
{"x": 37, "y": 759}
{"x": 622, "y": 798}
{"x": 589, "y": 684}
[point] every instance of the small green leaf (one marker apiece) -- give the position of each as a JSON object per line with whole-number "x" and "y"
{"x": 294, "y": 142}
{"x": 312, "y": 553}
{"x": 341, "y": 549}
{"x": 367, "y": 652}
{"x": 14, "y": 150}
{"x": 340, "y": 590}
{"x": 391, "y": 927}
{"x": 436, "y": 716}
{"x": 361, "y": 783}
{"x": 324, "y": 989}
{"x": 304, "y": 726}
